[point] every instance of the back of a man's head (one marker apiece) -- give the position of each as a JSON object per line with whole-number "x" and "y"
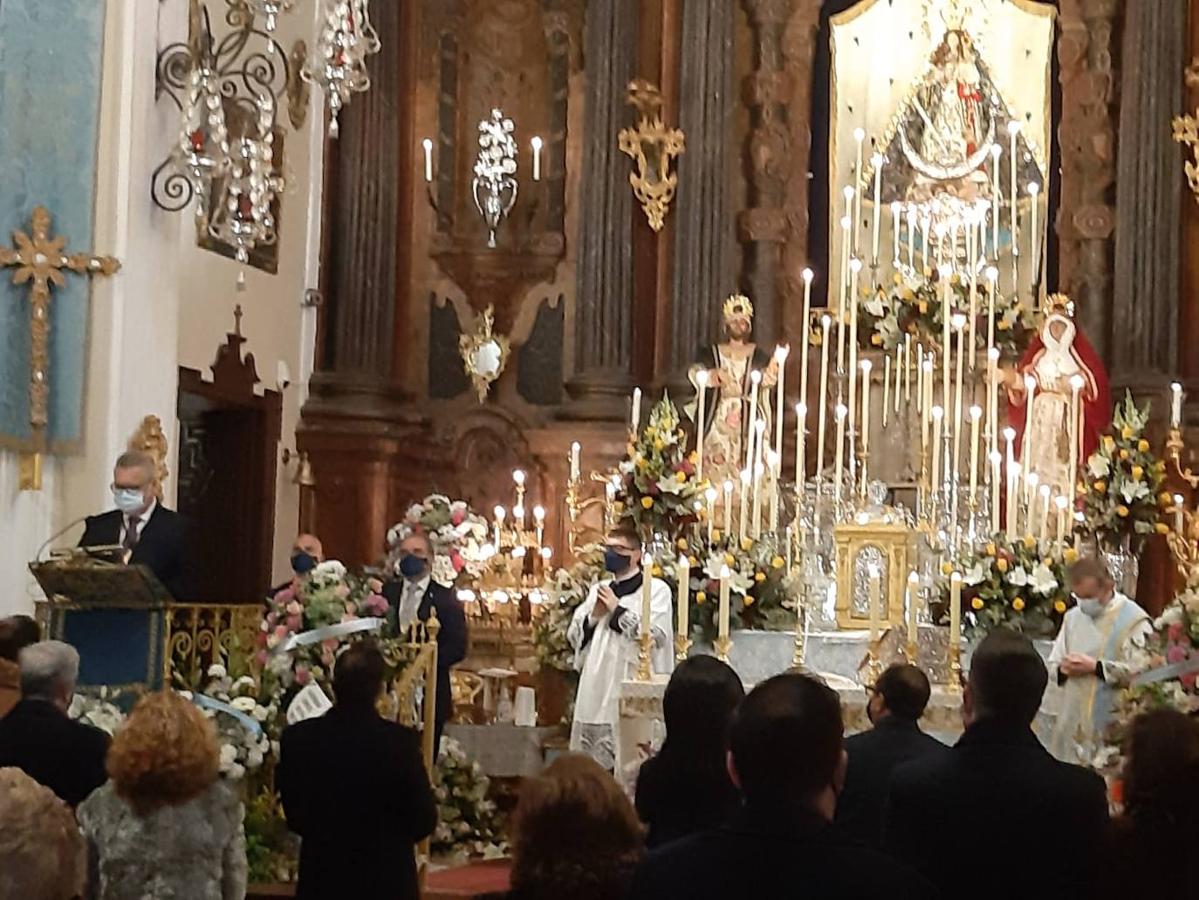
{"x": 358, "y": 675}
{"x": 905, "y": 691}
{"x": 17, "y": 633}
{"x": 1007, "y": 679}
{"x": 787, "y": 739}
{"x": 49, "y": 670}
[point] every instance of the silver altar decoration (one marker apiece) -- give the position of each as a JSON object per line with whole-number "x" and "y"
{"x": 494, "y": 187}
{"x": 270, "y": 11}
{"x": 338, "y": 63}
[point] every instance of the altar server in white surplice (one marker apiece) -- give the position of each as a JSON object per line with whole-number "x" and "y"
{"x": 1091, "y": 659}
{"x": 604, "y": 634}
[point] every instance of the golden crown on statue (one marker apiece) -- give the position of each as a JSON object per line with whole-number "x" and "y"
{"x": 1057, "y": 303}
{"x": 738, "y": 306}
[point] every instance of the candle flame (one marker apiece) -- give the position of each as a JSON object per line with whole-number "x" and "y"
{"x": 808, "y": 275}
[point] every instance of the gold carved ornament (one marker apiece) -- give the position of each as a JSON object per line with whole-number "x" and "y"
{"x": 39, "y": 261}
{"x": 1186, "y": 132}
{"x": 150, "y": 438}
{"x": 484, "y": 353}
{"x": 652, "y": 147}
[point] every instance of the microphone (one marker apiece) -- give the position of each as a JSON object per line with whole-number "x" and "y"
{"x": 38, "y": 556}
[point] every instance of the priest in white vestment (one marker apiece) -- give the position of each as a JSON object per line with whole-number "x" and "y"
{"x": 1091, "y": 659}
{"x": 604, "y": 634}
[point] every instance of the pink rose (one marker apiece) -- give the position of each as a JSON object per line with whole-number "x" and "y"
{"x": 303, "y": 676}
{"x": 272, "y": 619}
{"x": 294, "y": 623}
{"x": 341, "y": 591}
{"x": 351, "y": 608}
{"x": 281, "y": 631}
{"x": 285, "y": 596}
{"x": 458, "y": 516}
{"x": 294, "y": 608}
{"x": 457, "y": 561}
{"x": 261, "y": 657}
{"x": 1188, "y": 680}
{"x": 1176, "y": 654}
{"x": 330, "y": 644}
{"x": 375, "y": 605}
{"x": 1174, "y": 632}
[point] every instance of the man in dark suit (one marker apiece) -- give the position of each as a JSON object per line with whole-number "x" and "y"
{"x": 412, "y": 596}
{"x": 958, "y": 816}
{"x": 353, "y": 769}
{"x": 151, "y": 534}
{"x": 896, "y": 703}
{"x": 787, "y": 758}
{"x": 38, "y": 738}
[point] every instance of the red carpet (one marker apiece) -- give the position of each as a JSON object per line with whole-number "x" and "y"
{"x": 470, "y": 880}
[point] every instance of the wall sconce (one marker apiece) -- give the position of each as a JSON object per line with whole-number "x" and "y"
{"x": 304, "y": 477}
{"x": 652, "y": 147}
{"x": 484, "y": 354}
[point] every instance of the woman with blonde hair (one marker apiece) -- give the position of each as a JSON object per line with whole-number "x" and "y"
{"x": 164, "y": 827}
{"x": 41, "y": 850}
{"x": 574, "y": 834}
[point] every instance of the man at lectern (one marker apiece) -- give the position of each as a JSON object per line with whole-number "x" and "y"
{"x": 150, "y": 534}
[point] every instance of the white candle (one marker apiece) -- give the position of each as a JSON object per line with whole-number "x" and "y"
{"x": 820, "y": 427}
{"x": 855, "y": 266}
{"x": 938, "y": 413}
{"x": 1030, "y": 388}
{"x": 912, "y": 237}
{"x": 859, "y": 135}
{"x": 875, "y": 599}
{"x": 996, "y": 459}
{"x": 1044, "y": 532}
{"x": 710, "y": 495}
{"x": 946, "y": 347}
{"x": 877, "y": 161}
{"x": 886, "y": 389}
{"x": 907, "y": 370}
{"x": 1178, "y": 517}
{"x": 722, "y": 619}
{"x": 743, "y": 522}
{"x": 539, "y": 523}
{"x": 1175, "y": 405}
{"x": 1009, "y": 436}
{"x": 647, "y": 592}
{"x": 684, "y": 576}
{"x": 1034, "y": 238}
{"x": 575, "y": 450}
{"x": 636, "y": 419}
{"x": 755, "y": 379}
{"x": 728, "y": 509}
{"x": 913, "y": 610}
{"x": 992, "y": 278}
{"x": 866, "y": 367}
{"x": 839, "y": 453}
{"x": 780, "y": 355}
{"x": 701, "y": 392}
{"x": 973, "y": 292}
{"x": 428, "y": 146}
{"x": 1030, "y": 502}
{"x": 775, "y": 468}
{"x": 955, "y": 610}
{"x": 919, "y": 377}
{"x": 1013, "y": 129}
{"x": 996, "y": 199}
{"x": 976, "y": 413}
{"x": 842, "y": 289}
{"x": 801, "y": 421}
{"x": 499, "y": 527}
{"x": 536, "y": 144}
{"x": 959, "y": 323}
{"x": 926, "y": 371}
{"x": 807, "y": 328}
{"x": 758, "y": 472}
{"x": 895, "y": 233}
{"x": 1076, "y": 384}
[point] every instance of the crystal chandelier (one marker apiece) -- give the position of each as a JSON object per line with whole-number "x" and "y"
{"x": 494, "y": 186}
{"x": 244, "y": 219}
{"x": 269, "y": 10}
{"x": 202, "y": 152}
{"x": 338, "y": 64}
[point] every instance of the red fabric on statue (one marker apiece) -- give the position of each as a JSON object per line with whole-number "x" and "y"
{"x": 1096, "y": 397}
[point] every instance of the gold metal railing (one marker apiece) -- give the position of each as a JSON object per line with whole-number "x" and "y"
{"x": 197, "y": 635}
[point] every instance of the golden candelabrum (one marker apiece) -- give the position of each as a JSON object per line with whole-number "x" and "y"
{"x": 722, "y": 645}
{"x": 682, "y": 645}
{"x": 517, "y": 569}
{"x": 645, "y": 646}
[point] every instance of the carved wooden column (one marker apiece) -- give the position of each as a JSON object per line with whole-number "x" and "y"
{"x": 603, "y": 324}
{"x": 703, "y": 246}
{"x": 763, "y": 226}
{"x": 1149, "y": 186}
{"x": 1086, "y": 217}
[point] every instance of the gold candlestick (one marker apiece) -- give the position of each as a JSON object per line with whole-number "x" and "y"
{"x": 722, "y": 645}
{"x": 681, "y": 646}
{"x": 645, "y": 644}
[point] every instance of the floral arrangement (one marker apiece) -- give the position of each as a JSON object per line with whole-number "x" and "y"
{"x": 458, "y": 536}
{"x": 242, "y": 748}
{"x": 272, "y": 851}
{"x": 328, "y": 595}
{"x": 913, "y": 305}
{"x": 1124, "y": 497}
{"x": 762, "y": 595}
{"x": 567, "y": 589}
{"x": 1014, "y": 585}
{"x": 658, "y": 489}
{"x": 95, "y": 707}
{"x": 468, "y": 822}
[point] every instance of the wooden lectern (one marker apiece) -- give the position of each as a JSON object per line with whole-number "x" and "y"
{"x": 113, "y": 614}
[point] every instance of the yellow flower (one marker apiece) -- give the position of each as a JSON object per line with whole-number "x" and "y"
{"x": 749, "y": 601}
{"x": 1100, "y": 486}
{"x": 1126, "y": 432}
{"x": 1123, "y": 454}
{"x": 680, "y": 477}
{"x": 1122, "y": 511}
{"x": 700, "y": 596}
{"x": 1164, "y": 499}
{"x": 946, "y": 568}
{"x": 1143, "y": 445}
{"x": 876, "y": 339}
{"x": 692, "y": 561}
{"x": 1161, "y": 528}
{"x": 647, "y": 502}
{"x": 777, "y": 562}
{"x": 1070, "y": 556}
{"x": 1059, "y": 606}
{"x": 746, "y": 544}
{"x": 1109, "y": 443}
{"x": 728, "y": 559}
{"x": 716, "y": 534}
{"x": 1001, "y": 564}
{"x": 693, "y": 457}
{"x": 659, "y": 444}
{"x": 642, "y": 462}
{"x": 1030, "y": 542}
{"x": 681, "y": 543}
{"x": 977, "y": 603}
{"x": 1003, "y": 325}
{"x": 1018, "y": 605}
{"x": 897, "y": 278}
{"x": 759, "y": 577}
{"x": 991, "y": 549}
{"x": 1137, "y": 473}
{"x": 923, "y": 307}
{"x": 657, "y": 573}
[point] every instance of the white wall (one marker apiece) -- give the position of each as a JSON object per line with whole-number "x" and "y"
{"x": 172, "y": 303}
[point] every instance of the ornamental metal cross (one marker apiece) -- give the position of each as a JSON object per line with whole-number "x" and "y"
{"x": 39, "y": 261}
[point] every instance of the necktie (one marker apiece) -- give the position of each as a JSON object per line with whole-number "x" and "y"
{"x": 130, "y": 534}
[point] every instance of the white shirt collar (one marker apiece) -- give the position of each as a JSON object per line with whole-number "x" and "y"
{"x": 145, "y": 516}
{"x": 421, "y": 585}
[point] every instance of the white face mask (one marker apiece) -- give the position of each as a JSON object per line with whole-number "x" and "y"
{"x": 130, "y": 501}
{"x": 1091, "y": 606}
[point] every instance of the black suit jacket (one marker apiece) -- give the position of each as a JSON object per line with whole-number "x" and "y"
{"x": 451, "y": 639}
{"x": 65, "y": 756}
{"x": 998, "y": 816}
{"x": 676, "y": 800}
{"x": 162, "y": 546}
{"x": 354, "y": 788}
{"x": 767, "y": 854}
{"x": 873, "y": 756}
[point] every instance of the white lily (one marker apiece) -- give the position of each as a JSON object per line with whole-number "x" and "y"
{"x": 977, "y": 573}
{"x": 1018, "y": 577}
{"x": 1043, "y": 582}
{"x": 1099, "y": 465}
{"x": 1133, "y": 490}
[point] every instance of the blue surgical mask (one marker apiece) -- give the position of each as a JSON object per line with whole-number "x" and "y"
{"x": 411, "y": 566}
{"x": 1091, "y": 606}
{"x": 615, "y": 561}
{"x": 130, "y": 501}
{"x": 302, "y": 562}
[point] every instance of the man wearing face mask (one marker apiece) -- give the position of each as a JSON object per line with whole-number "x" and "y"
{"x": 411, "y": 597}
{"x": 306, "y": 554}
{"x": 604, "y": 633}
{"x": 1091, "y": 658}
{"x": 150, "y": 534}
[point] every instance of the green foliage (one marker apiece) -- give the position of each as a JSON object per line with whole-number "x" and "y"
{"x": 658, "y": 490}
